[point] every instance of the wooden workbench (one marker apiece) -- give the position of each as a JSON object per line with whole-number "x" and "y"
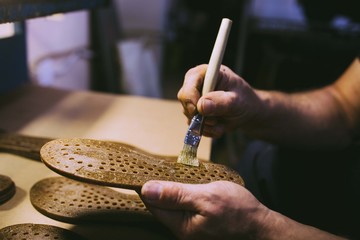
{"x": 154, "y": 125}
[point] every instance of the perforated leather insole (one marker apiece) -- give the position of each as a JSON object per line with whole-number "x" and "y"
{"x": 71, "y": 201}
{"x": 120, "y": 165}
{"x": 29, "y": 231}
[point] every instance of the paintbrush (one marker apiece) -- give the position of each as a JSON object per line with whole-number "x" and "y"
{"x": 188, "y": 155}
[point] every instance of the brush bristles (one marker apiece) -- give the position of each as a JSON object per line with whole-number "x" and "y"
{"x": 188, "y": 156}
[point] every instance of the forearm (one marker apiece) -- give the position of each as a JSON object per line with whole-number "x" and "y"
{"x": 304, "y": 119}
{"x": 326, "y": 117}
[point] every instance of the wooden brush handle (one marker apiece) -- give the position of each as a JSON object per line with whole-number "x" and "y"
{"x": 216, "y": 56}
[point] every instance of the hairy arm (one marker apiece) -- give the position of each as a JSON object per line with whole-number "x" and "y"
{"x": 324, "y": 117}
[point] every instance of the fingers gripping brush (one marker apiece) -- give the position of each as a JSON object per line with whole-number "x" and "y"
{"x": 188, "y": 155}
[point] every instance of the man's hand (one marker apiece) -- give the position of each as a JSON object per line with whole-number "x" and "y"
{"x": 218, "y": 210}
{"x": 233, "y": 103}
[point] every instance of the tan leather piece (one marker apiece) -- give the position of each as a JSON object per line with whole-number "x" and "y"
{"x": 71, "y": 201}
{"x": 120, "y": 165}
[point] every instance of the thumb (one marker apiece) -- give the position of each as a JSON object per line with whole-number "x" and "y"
{"x": 169, "y": 195}
{"x": 217, "y": 103}
{"x": 170, "y": 203}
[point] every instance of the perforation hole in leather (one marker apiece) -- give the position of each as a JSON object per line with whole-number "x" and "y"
{"x": 72, "y": 201}
{"x": 28, "y": 231}
{"x": 120, "y": 165}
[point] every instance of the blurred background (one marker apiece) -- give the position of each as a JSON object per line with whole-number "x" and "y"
{"x": 142, "y": 47}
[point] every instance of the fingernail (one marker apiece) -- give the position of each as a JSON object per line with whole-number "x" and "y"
{"x": 190, "y": 108}
{"x": 152, "y": 191}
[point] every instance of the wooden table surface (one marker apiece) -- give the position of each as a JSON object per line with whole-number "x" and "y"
{"x": 154, "y": 125}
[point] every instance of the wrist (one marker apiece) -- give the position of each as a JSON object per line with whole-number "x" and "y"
{"x": 266, "y": 224}
{"x": 258, "y": 121}
{"x": 271, "y": 226}
{"x": 261, "y": 224}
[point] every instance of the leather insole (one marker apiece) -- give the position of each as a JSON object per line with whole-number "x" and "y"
{"x": 120, "y": 165}
{"x": 71, "y": 201}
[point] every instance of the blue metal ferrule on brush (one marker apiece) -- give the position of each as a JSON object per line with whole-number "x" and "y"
{"x": 194, "y": 133}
